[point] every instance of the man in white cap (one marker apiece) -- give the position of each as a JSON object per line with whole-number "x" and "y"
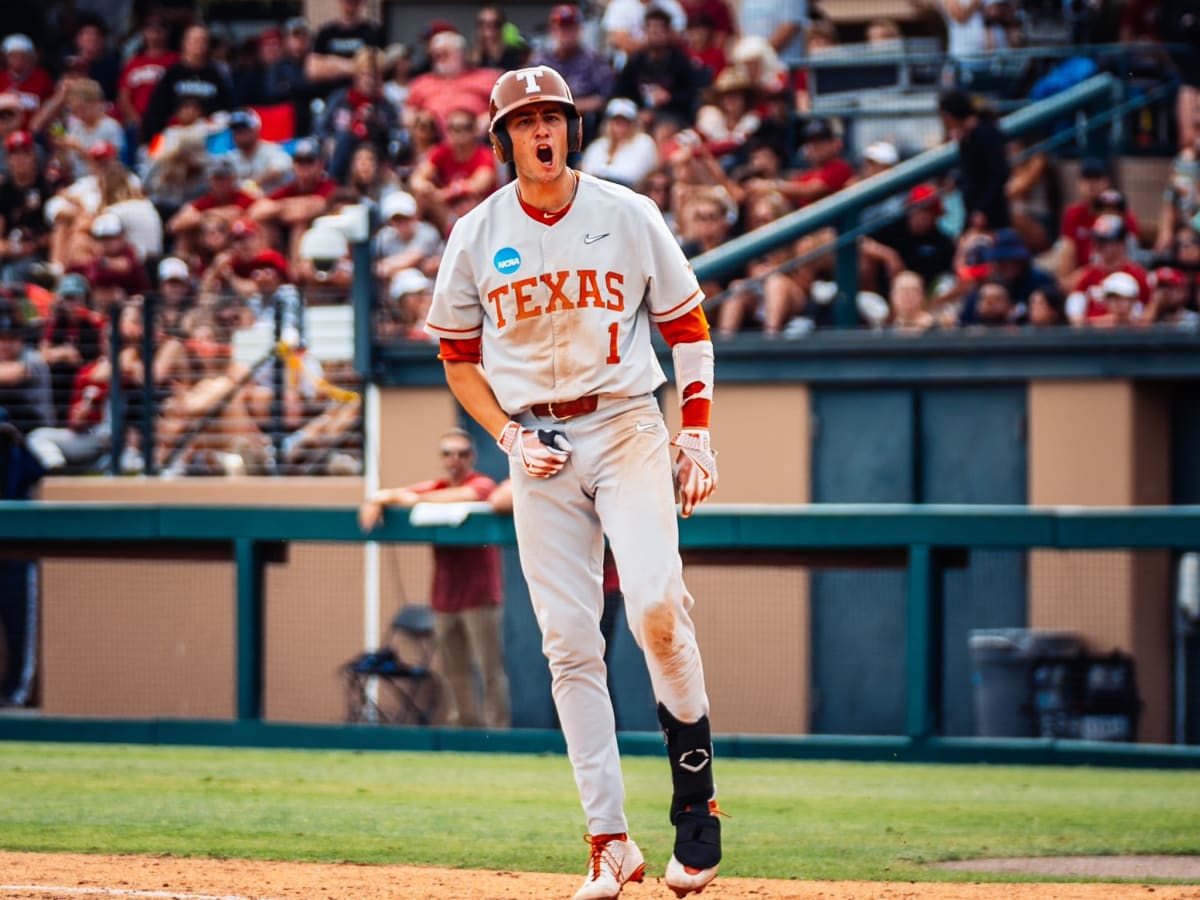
{"x": 263, "y": 163}
{"x": 877, "y": 158}
{"x": 1121, "y": 295}
{"x": 405, "y": 241}
{"x": 411, "y": 293}
{"x": 22, "y": 75}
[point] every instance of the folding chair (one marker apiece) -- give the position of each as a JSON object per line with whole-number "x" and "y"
{"x": 413, "y": 690}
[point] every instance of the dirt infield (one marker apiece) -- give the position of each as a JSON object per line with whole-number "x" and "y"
{"x": 31, "y": 876}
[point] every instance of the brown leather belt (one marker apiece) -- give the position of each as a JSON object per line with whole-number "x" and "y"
{"x": 566, "y": 409}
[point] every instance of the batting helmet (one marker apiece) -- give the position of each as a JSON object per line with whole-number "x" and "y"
{"x": 521, "y": 87}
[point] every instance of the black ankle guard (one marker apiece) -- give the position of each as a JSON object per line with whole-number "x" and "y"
{"x": 697, "y": 831}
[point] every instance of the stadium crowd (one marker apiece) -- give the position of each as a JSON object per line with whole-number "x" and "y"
{"x": 168, "y": 167}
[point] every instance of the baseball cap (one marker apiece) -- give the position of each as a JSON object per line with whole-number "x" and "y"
{"x": 18, "y": 140}
{"x": 173, "y": 269}
{"x": 1007, "y": 246}
{"x": 818, "y": 130}
{"x": 408, "y": 281}
{"x": 882, "y": 152}
{"x": 925, "y": 195}
{"x": 243, "y": 227}
{"x": 622, "y": 108}
{"x": 1165, "y": 276}
{"x": 306, "y": 149}
{"x": 107, "y": 225}
{"x": 294, "y": 24}
{"x": 398, "y": 203}
{"x": 222, "y": 165}
{"x": 9, "y": 100}
{"x": 270, "y": 36}
{"x": 271, "y": 259}
{"x": 102, "y": 151}
{"x": 73, "y": 285}
{"x": 1109, "y": 227}
{"x": 565, "y": 14}
{"x": 1112, "y": 197}
{"x": 437, "y": 26}
{"x": 17, "y": 43}
{"x": 244, "y": 118}
{"x": 956, "y": 103}
{"x": 1093, "y": 167}
{"x": 1121, "y": 284}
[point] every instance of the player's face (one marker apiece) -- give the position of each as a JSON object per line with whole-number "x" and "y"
{"x": 539, "y": 139}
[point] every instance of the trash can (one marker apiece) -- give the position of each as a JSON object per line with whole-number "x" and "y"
{"x": 1002, "y": 660}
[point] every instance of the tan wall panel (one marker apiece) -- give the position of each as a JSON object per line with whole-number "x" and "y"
{"x": 138, "y": 639}
{"x": 1105, "y": 443}
{"x": 412, "y": 419}
{"x": 216, "y": 491}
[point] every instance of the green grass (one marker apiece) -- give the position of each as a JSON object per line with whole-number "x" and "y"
{"x": 810, "y": 820}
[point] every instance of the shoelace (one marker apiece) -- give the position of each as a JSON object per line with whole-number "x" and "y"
{"x": 600, "y": 850}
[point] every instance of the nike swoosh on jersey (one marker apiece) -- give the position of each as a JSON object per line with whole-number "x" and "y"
{"x": 644, "y": 426}
{"x": 592, "y": 238}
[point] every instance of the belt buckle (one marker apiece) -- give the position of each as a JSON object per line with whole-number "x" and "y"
{"x": 550, "y": 408}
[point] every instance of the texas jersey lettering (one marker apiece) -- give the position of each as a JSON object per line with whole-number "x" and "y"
{"x": 581, "y": 284}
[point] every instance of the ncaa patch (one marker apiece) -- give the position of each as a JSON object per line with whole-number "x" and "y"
{"x": 507, "y": 260}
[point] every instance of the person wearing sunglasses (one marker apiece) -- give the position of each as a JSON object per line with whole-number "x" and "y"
{"x": 467, "y": 590}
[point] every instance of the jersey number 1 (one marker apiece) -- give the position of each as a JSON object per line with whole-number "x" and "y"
{"x": 614, "y": 357}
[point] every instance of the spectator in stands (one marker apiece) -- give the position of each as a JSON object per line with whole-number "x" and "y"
{"x": 93, "y": 56}
{"x": 358, "y": 114}
{"x": 884, "y": 32}
{"x": 730, "y": 116}
{"x": 914, "y": 242}
{"x": 86, "y": 124}
{"x": 624, "y": 25}
{"x": 1011, "y": 263}
{"x": 276, "y": 76}
{"x": 142, "y": 73}
{"x": 397, "y": 73}
{"x": 24, "y": 192}
{"x": 1034, "y": 195}
{"x": 275, "y": 295}
{"x": 757, "y": 58}
{"x": 25, "y": 397}
{"x": 467, "y": 587}
{"x": 195, "y": 76}
{"x": 1181, "y": 198}
{"x": 456, "y": 174}
{"x": 658, "y": 187}
{"x": 178, "y": 176}
{"x": 71, "y": 210}
{"x": 1075, "y": 242}
{"x": 142, "y": 224}
{"x": 22, "y": 75}
{"x": 1087, "y": 298}
{"x": 879, "y": 157}
{"x": 223, "y": 198}
{"x": 497, "y": 43}
{"x": 1184, "y": 256}
{"x": 660, "y": 77}
{"x": 264, "y": 164}
{"x": 175, "y": 297}
{"x": 290, "y": 209}
{"x": 169, "y": 359}
{"x": 983, "y": 163}
{"x": 968, "y": 39}
{"x": 719, "y": 19}
{"x": 451, "y": 84}
{"x": 1179, "y": 21}
{"x": 331, "y": 62}
{"x": 907, "y": 304}
{"x": 820, "y": 36}
{"x": 405, "y": 241}
{"x": 828, "y": 171}
{"x": 115, "y": 264}
{"x": 587, "y": 72}
{"x": 1169, "y": 301}
{"x": 70, "y": 339}
{"x": 410, "y": 292}
{"x": 225, "y": 256}
{"x": 705, "y": 46}
{"x": 11, "y": 121}
{"x": 297, "y": 43}
{"x": 623, "y": 153}
{"x": 1121, "y": 294}
{"x": 370, "y": 179}
{"x": 1047, "y": 308}
{"x": 995, "y": 308}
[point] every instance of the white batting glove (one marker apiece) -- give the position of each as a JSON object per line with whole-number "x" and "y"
{"x": 538, "y": 458}
{"x": 695, "y": 468}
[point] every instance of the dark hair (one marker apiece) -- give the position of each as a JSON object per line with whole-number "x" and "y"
{"x": 657, "y": 12}
{"x": 1054, "y": 299}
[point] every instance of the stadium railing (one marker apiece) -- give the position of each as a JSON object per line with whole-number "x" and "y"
{"x": 923, "y": 542}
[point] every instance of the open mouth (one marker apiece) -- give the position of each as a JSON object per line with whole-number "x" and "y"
{"x": 545, "y": 154}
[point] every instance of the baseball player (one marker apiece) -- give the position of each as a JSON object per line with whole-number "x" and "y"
{"x": 543, "y": 306}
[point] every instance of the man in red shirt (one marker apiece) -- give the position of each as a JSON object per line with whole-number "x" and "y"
{"x": 457, "y": 173}
{"x": 1111, "y": 255}
{"x": 292, "y": 207}
{"x": 828, "y": 172}
{"x": 1079, "y": 217}
{"x": 451, "y": 84}
{"x": 22, "y": 75}
{"x": 223, "y": 198}
{"x": 143, "y": 71}
{"x": 467, "y": 592}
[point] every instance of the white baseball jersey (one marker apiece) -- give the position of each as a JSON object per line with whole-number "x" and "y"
{"x": 564, "y": 311}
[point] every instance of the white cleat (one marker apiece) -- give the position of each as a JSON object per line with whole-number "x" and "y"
{"x": 615, "y": 861}
{"x": 684, "y": 880}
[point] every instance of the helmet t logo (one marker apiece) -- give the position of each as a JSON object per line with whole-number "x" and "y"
{"x": 530, "y": 77}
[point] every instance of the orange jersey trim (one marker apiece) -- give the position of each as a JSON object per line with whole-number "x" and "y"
{"x": 692, "y": 326}
{"x": 666, "y": 314}
{"x": 465, "y": 350}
